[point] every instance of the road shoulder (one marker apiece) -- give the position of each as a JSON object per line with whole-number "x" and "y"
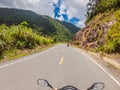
{"x": 104, "y": 62}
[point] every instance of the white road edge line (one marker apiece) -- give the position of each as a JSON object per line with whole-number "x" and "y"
{"x": 118, "y": 83}
{"x": 26, "y": 58}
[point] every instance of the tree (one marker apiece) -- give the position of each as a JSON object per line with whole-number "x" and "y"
{"x": 99, "y": 6}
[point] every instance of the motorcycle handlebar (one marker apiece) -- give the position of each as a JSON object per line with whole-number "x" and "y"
{"x": 95, "y": 86}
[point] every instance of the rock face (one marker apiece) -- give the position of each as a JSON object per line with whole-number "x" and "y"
{"x": 94, "y": 34}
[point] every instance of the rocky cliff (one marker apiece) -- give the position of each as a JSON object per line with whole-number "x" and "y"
{"x": 95, "y": 34}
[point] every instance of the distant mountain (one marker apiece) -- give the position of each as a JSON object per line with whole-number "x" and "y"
{"x": 70, "y": 26}
{"x": 43, "y": 25}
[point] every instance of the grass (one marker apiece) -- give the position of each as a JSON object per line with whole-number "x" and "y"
{"x": 100, "y": 33}
{"x": 114, "y": 56}
{"x": 112, "y": 66}
{"x": 11, "y": 55}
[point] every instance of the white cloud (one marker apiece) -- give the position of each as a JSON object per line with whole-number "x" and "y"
{"x": 76, "y": 8}
{"x": 40, "y": 6}
{"x": 80, "y": 24}
{"x": 72, "y": 12}
{"x": 60, "y": 18}
{"x": 82, "y": 2}
{"x": 55, "y": 1}
{"x": 63, "y": 7}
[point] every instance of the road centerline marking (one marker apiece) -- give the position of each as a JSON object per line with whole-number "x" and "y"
{"x": 61, "y": 60}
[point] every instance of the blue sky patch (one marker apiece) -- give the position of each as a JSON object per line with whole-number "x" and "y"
{"x": 56, "y": 12}
{"x": 57, "y": 9}
{"x": 74, "y": 20}
{"x": 65, "y": 16}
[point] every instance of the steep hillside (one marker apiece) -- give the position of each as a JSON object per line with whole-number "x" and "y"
{"x": 102, "y": 32}
{"x": 15, "y": 16}
{"x": 70, "y": 26}
{"x": 40, "y": 24}
{"x": 62, "y": 31}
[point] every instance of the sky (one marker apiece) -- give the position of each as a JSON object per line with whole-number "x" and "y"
{"x": 72, "y": 11}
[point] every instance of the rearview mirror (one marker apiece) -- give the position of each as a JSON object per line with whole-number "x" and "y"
{"x": 42, "y": 82}
{"x": 97, "y": 86}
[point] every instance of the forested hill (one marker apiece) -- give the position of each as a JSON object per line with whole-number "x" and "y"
{"x": 40, "y": 24}
{"x": 70, "y": 26}
{"x": 102, "y": 31}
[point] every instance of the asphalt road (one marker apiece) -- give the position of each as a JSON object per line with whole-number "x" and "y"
{"x": 60, "y": 65}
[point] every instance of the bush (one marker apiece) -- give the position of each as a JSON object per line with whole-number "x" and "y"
{"x": 100, "y": 48}
{"x": 76, "y": 42}
{"x": 20, "y": 37}
{"x": 20, "y": 45}
{"x": 113, "y": 39}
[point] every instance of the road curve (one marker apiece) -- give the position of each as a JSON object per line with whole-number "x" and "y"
{"x": 60, "y": 65}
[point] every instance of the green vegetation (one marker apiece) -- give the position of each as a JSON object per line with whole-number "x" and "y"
{"x": 106, "y": 11}
{"x": 36, "y": 32}
{"x": 117, "y": 15}
{"x": 112, "y": 44}
{"x": 95, "y": 7}
{"x": 62, "y": 34}
{"x": 69, "y": 26}
{"x": 107, "y": 19}
{"x": 95, "y": 26}
{"x": 100, "y": 32}
{"x": 100, "y": 48}
{"x": 113, "y": 39}
{"x": 19, "y": 37}
{"x": 42, "y": 25}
